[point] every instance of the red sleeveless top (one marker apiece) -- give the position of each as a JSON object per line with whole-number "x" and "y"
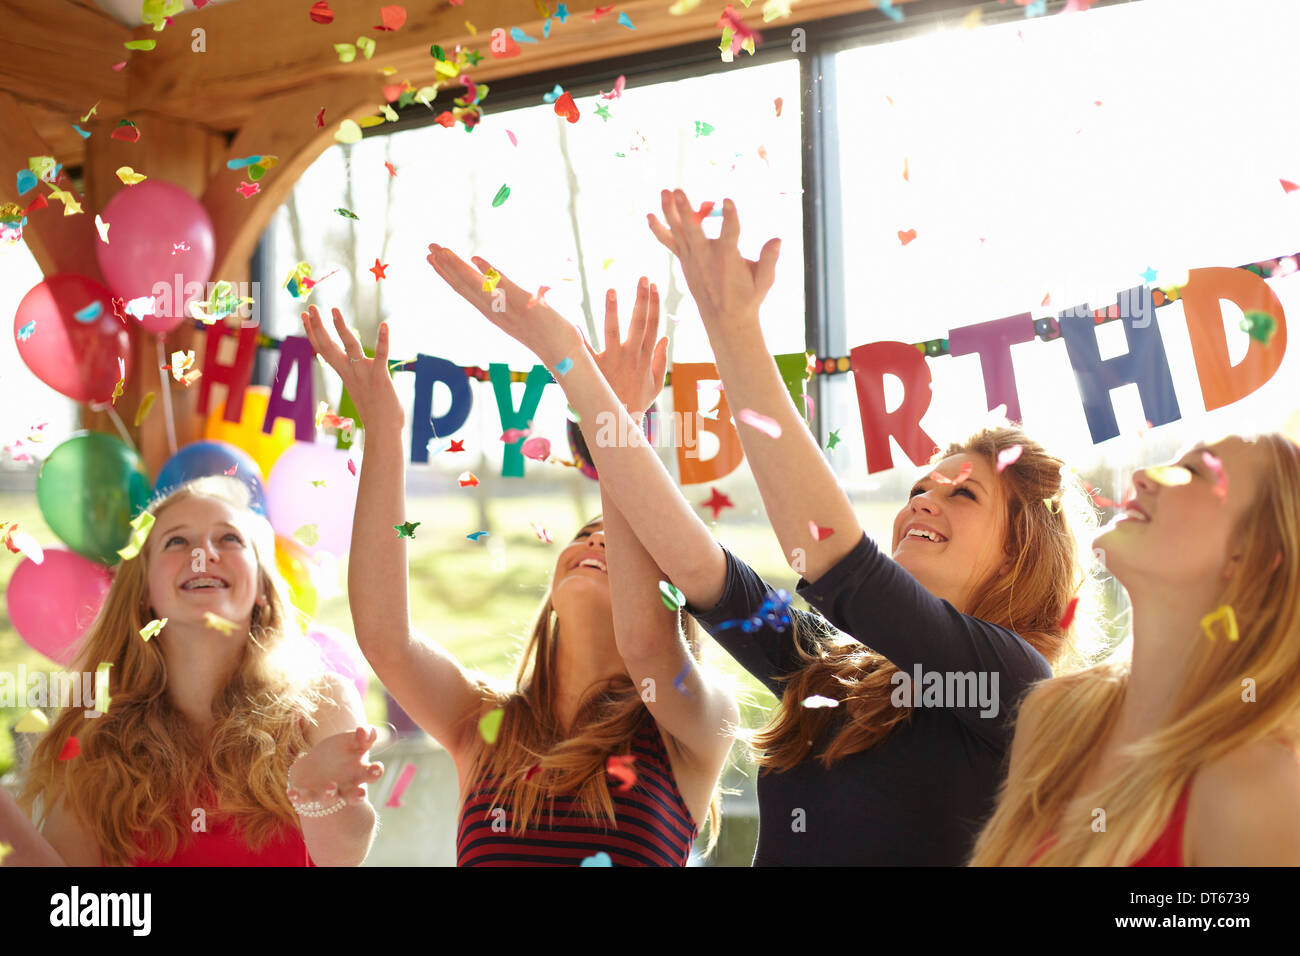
{"x": 653, "y": 825}
{"x": 1167, "y": 850}
{"x": 223, "y": 845}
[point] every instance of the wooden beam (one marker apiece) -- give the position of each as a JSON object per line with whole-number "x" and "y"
{"x": 60, "y": 56}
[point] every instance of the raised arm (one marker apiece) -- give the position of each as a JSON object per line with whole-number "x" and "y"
{"x": 26, "y": 845}
{"x": 794, "y": 479}
{"x": 634, "y": 477}
{"x": 426, "y": 680}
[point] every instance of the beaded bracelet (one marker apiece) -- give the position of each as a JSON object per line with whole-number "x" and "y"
{"x": 314, "y": 809}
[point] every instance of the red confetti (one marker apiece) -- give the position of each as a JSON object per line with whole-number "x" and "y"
{"x": 906, "y": 237}
{"x": 564, "y": 106}
{"x": 321, "y": 13}
{"x": 705, "y": 209}
{"x": 778, "y": 107}
{"x": 392, "y": 170}
{"x": 962, "y": 475}
{"x": 445, "y": 119}
{"x": 1100, "y": 500}
{"x": 38, "y": 203}
{"x": 467, "y": 480}
{"x": 127, "y": 132}
{"x": 378, "y": 269}
{"x": 620, "y": 767}
{"x": 117, "y": 67}
{"x": 351, "y": 466}
{"x": 819, "y": 533}
{"x": 1288, "y": 186}
{"x": 320, "y": 118}
{"x": 601, "y": 11}
{"x": 717, "y": 501}
{"x": 1068, "y": 618}
{"x": 248, "y": 189}
{"x": 533, "y": 771}
{"x": 231, "y": 471}
{"x": 1047, "y": 299}
{"x": 392, "y": 17}
{"x": 457, "y": 445}
{"x": 512, "y": 435}
{"x": 71, "y": 749}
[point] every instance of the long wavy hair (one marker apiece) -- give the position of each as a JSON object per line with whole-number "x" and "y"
{"x": 1051, "y": 565}
{"x": 1209, "y": 717}
{"x": 143, "y": 766}
{"x": 534, "y": 760}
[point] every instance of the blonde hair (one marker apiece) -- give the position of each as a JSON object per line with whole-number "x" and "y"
{"x": 142, "y": 767}
{"x": 533, "y": 761}
{"x": 1052, "y": 565}
{"x": 1206, "y": 719}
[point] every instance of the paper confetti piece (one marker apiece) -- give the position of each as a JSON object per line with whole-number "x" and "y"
{"x": 1068, "y": 617}
{"x": 230, "y": 470}
{"x": 72, "y": 746}
{"x": 1053, "y": 506}
{"x": 626, "y": 21}
{"x": 219, "y": 623}
{"x": 543, "y": 535}
{"x": 20, "y": 542}
{"x": 1008, "y": 456}
{"x": 768, "y": 426}
{"x": 102, "y": 227}
{"x": 533, "y": 771}
{"x": 1259, "y": 325}
{"x": 321, "y": 13}
{"x": 379, "y": 269}
{"x": 457, "y": 445}
{"x": 346, "y": 213}
{"x": 818, "y": 532}
{"x": 619, "y": 766}
{"x": 352, "y": 467}
{"x": 90, "y": 313}
{"x": 513, "y": 140}
{"x": 962, "y": 475}
{"x": 598, "y": 859}
{"x": 407, "y": 528}
{"x": 1224, "y": 614}
{"x": 817, "y": 701}
{"x": 141, "y": 524}
{"x": 145, "y": 405}
{"x": 152, "y": 628}
{"x": 26, "y": 331}
{"x": 564, "y": 106}
{"x": 26, "y": 181}
{"x": 32, "y": 722}
{"x": 679, "y": 682}
{"x": 308, "y": 534}
{"x": 140, "y": 45}
{"x": 502, "y": 195}
{"x": 906, "y": 237}
{"x": 392, "y": 18}
{"x": 564, "y": 365}
{"x": 972, "y": 19}
{"x": 399, "y": 786}
{"x": 320, "y": 118}
{"x": 489, "y": 725}
{"x": 1220, "y": 477}
{"x": 717, "y": 501}
{"x": 1288, "y": 186}
{"x": 348, "y": 132}
{"x": 512, "y": 435}
{"x": 490, "y": 279}
{"x": 672, "y": 596}
{"x": 1171, "y": 476}
{"x": 475, "y": 535}
{"x": 467, "y": 480}
{"x": 706, "y": 210}
{"x": 538, "y": 449}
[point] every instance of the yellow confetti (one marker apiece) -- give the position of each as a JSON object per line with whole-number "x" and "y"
{"x": 102, "y": 700}
{"x": 32, "y": 722}
{"x": 388, "y": 70}
{"x": 683, "y": 6}
{"x": 1225, "y": 614}
{"x": 140, "y": 527}
{"x": 129, "y": 176}
{"x": 145, "y": 405}
{"x": 182, "y": 362}
{"x": 5, "y": 850}
{"x": 368, "y": 121}
{"x": 445, "y": 69}
{"x": 70, "y": 205}
{"x": 93, "y": 110}
{"x": 490, "y": 279}
{"x": 219, "y": 623}
{"x": 607, "y": 263}
{"x": 1171, "y": 476}
{"x": 473, "y": 30}
{"x": 972, "y": 19}
{"x": 308, "y": 534}
{"x": 489, "y": 725}
{"x": 152, "y": 628}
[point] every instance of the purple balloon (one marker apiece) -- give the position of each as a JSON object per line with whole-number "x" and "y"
{"x": 292, "y": 501}
{"x": 53, "y": 604}
{"x": 340, "y": 656}
{"x": 161, "y": 236}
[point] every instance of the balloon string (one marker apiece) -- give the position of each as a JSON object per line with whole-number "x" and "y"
{"x": 166, "y": 387}
{"x": 121, "y": 429}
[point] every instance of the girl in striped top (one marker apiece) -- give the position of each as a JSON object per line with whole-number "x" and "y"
{"x": 592, "y": 755}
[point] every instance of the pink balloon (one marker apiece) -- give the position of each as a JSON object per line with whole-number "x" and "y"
{"x": 293, "y": 502}
{"x": 340, "y": 655}
{"x": 53, "y": 604}
{"x": 69, "y": 337}
{"x": 150, "y": 227}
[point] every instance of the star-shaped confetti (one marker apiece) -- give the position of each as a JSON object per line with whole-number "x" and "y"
{"x": 457, "y": 445}
{"x": 406, "y": 529}
{"x": 561, "y": 13}
{"x": 467, "y": 480}
{"x": 1149, "y": 276}
{"x": 378, "y": 270}
{"x": 832, "y": 439}
{"x": 603, "y": 111}
{"x": 248, "y": 189}
{"x": 717, "y": 501}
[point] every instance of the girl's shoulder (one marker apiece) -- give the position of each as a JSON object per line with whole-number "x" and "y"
{"x": 1244, "y": 807}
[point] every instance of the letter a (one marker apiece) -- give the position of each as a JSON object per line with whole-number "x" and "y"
{"x": 648, "y": 690}
{"x": 498, "y": 44}
{"x": 798, "y": 40}
{"x": 799, "y": 822}
{"x": 499, "y": 820}
{"x": 199, "y": 43}
{"x": 200, "y": 821}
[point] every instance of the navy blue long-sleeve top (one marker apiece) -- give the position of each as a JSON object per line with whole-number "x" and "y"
{"x": 921, "y": 795}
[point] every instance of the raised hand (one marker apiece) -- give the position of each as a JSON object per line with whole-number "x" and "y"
{"x": 335, "y": 767}
{"x": 726, "y": 286}
{"x": 367, "y": 380}
{"x": 518, "y": 313}
{"x": 634, "y": 367}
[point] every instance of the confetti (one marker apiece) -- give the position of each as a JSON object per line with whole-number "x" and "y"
{"x": 543, "y": 535}
{"x": 321, "y": 13}
{"x": 906, "y": 237}
{"x": 619, "y": 767}
{"x": 679, "y": 682}
{"x": 348, "y": 132}
{"x": 140, "y": 527}
{"x": 457, "y": 445}
{"x": 598, "y": 859}
{"x": 626, "y": 21}
{"x": 519, "y": 36}
{"x": 392, "y": 19}
{"x": 832, "y": 439}
{"x": 818, "y": 532}
{"x": 379, "y": 270}
{"x": 768, "y": 426}
{"x": 1008, "y": 457}
{"x": 490, "y": 279}
{"x": 1171, "y": 476}
{"x": 1098, "y": 499}
{"x": 706, "y": 210}
{"x": 146, "y": 404}
{"x": 672, "y": 597}
{"x": 777, "y": 103}
{"x": 152, "y": 628}
{"x": 182, "y": 366}
{"x": 407, "y": 528}
{"x": 20, "y": 542}
{"x": 1053, "y": 505}
{"x": 352, "y": 467}
{"x": 399, "y": 786}
{"x": 1259, "y": 325}
{"x": 617, "y": 91}
{"x": 888, "y": 9}
{"x": 90, "y": 313}
{"x": 1068, "y": 617}
{"x": 230, "y": 470}
{"x": 467, "y": 479}
{"x": 774, "y": 613}
{"x": 1220, "y": 477}
{"x": 308, "y": 534}
{"x": 26, "y": 331}
{"x": 248, "y": 189}
{"x": 512, "y": 435}
{"x": 126, "y": 130}
{"x": 962, "y": 475}
{"x": 489, "y": 725}
{"x": 347, "y": 213}
{"x": 817, "y": 701}
{"x": 538, "y": 449}
{"x": 1288, "y": 186}
{"x": 564, "y": 106}
{"x": 564, "y": 365}
{"x": 717, "y": 501}
{"x": 219, "y": 623}
{"x": 32, "y": 722}
{"x": 502, "y": 195}
{"x": 972, "y": 19}
{"x": 1224, "y": 614}
{"x": 474, "y": 536}
{"x": 702, "y": 129}
{"x": 320, "y": 118}
{"x": 72, "y": 746}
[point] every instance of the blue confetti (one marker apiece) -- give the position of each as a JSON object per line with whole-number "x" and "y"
{"x": 888, "y": 9}
{"x": 546, "y": 28}
{"x": 679, "y": 682}
{"x": 82, "y": 132}
{"x": 600, "y": 859}
{"x": 563, "y": 366}
{"x": 775, "y": 613}
{"x": 90, "y": 313}
{"x": 626, "y": 21}
{"x": 476, "y": 535}
{"x": 519, "y": 36}
{"x": 554, "y": 95}
{"x": 241, "y": 163}
{"x": 562, "y": 13}
{"x": 26, "y": 181}
{"x": 1036, "y": 9}
{"x": 26, "y": 331}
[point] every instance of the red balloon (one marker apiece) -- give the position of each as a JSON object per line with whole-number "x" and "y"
{"x": 53, "y": 604}
{"x": 69, "y": 337}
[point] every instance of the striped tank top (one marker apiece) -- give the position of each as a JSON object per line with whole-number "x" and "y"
{"x": 654, "y": 827}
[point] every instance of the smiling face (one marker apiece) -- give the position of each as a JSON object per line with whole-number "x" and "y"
{"x": 230, "y": 581}
{"x": 580, "y": 573}
{"x": 949, "y": 537}
{"x": 1177, "y": 528}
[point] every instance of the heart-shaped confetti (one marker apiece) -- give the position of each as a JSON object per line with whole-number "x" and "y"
{"x": 564, "y": 106}
{"x": 538, "y": 449}
{"x": 819, "y": 533}
{"x": 348, "y": 132}
{"x": 599, "y": 859}
{"x": 906, "y": 237}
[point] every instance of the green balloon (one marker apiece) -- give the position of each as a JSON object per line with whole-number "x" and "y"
{"x": 88, "y": 490}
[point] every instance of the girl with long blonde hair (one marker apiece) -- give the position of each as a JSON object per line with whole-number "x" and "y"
{"x": 219, "y": 726}
{"x": 866, "y": 761}
{"x": 1183, "y": 748}
{"x": 583, "y": 758}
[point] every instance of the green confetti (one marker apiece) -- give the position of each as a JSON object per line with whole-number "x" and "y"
{"x": 702, "y": 129}
{"x": 406, "y": 529}
{"x": 436, "y": 52}
{"x": 489, "y": 725}
{"x": 1259, "y": 325}
{"x": 346, "y": 213}
{"x": 140, "y": 44}
{"x": 832, "y": 439}
{"x": 152, "y": 628}
{"x": 140, "y": 527}
{"x": 502, "y": 195}
{"x": 672, "y": 597}
{"x": 308, "y": 534}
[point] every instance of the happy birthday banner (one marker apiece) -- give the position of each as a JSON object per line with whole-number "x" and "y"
{"x": 1144, "y": 365}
